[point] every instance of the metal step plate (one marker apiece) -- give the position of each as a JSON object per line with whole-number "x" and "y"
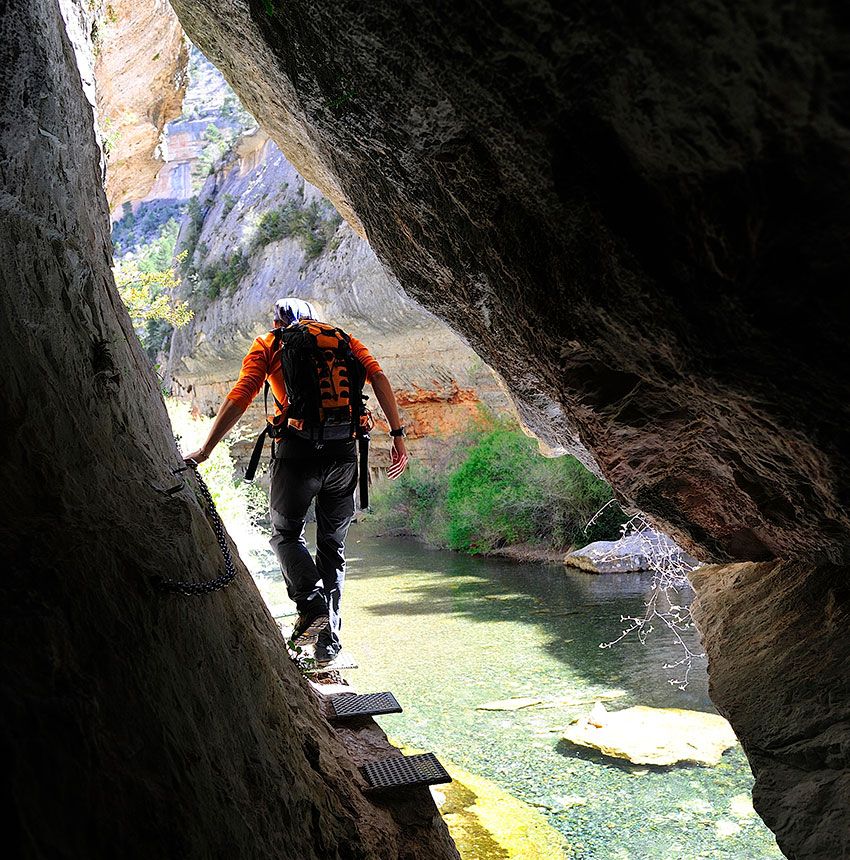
{"x": 364, "y": 705}
{"x": 404, "y": 772}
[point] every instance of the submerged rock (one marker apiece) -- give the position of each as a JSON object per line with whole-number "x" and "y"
{"x": 487, "y": 822}
{"x": 658, "y": 736}
{"x": 643, "y": 550}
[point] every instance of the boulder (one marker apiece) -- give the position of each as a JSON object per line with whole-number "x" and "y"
{"x": 657, "y": 736}
{"x": 647, "y": 549}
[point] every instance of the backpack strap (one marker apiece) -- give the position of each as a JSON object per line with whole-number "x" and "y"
{"x": 251, "y": 470}
{"x": 363, "y": 450}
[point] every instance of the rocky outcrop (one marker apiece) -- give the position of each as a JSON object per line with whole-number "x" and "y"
{"x": 636, "y": 216}
{"x": 134, "y": 724}
{"x": 656, "y": 736}
{"x": 207, "y": 101}
{"x": 776, "y": 636}
{"x": 620, "y": 216}
{"x": 646, "y": 549}
{"x": 141, "y": 79}
{"x": 441, "y": 384}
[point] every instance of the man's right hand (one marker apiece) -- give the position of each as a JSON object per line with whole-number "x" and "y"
{"x": 198, "y": 456}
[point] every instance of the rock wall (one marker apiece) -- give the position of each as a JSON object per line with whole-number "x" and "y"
{"x": 635, "y": 218}
{"x": 638, "y": 216}
{"x": 133, "y": 724}
{"x": 140, "y": 71}
{"x": 441, "y": 384}
{"x": 208, "y": 100}
{"x": 776, "y": 636}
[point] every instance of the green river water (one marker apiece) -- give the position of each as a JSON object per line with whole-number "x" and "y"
{"x": 446, "y": 633}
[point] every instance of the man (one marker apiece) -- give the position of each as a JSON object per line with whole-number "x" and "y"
{"x": 304, "y": 469}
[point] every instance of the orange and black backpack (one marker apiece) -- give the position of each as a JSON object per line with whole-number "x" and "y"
{"x": 324, "y": 386}
{"x": 324, "y": 383}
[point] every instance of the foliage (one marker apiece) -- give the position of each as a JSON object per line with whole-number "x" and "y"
{"x": 194, "y": 225}
{"x": 133, "y": 232}
{"x": 147, "y": 293}
{"x": 507, "y": 493}
{"x": 146, "y": 283}
{"x": 497, "y": 491}
{"x": 313, "y": 225}
{"x": 110, "y": 131}
{"x": 232, "y": 109}
{"x": 229, "y": 203}
{"x": 218, "y": 142}
{"x": 223, "y": 277}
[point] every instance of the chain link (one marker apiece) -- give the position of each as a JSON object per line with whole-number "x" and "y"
{"x": 204, "y": 586}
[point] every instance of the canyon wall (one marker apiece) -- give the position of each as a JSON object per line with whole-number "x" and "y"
{"x": 637, "y": 215}
{"x": 134, "y": 724}
{"x": 140, "y": 69}
{"x": 635, "y": 222}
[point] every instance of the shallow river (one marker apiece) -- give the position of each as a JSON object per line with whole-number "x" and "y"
{"x": 447, "y": 633}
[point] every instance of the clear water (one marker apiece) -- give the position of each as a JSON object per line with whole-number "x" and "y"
{"x": 447, "y": 633}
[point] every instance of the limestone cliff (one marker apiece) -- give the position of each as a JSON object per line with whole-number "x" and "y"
{"x": 140, "y": 72}
{"x": 637, "y": 214}
{"x": 134, "y": 724}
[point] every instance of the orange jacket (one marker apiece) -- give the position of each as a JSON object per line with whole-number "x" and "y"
{"x": 263, "y": 363}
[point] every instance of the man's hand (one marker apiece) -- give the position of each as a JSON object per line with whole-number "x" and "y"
{"x": 198, "y": 456}
{"x": 398, "y": 458}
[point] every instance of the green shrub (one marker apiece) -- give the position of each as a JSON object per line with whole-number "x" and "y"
{"x": 229, "y": 203}
{"x": 496, "y": 490}
{"x": 313, "y": 226}
{"x": 195, "y": 223}
{"x": 414, "y": 505}
{"x": 507, "y": 493}
{"x": 223, "y": 277}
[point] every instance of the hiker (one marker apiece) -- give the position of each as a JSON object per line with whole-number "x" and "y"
{"x": 313, "y": 457}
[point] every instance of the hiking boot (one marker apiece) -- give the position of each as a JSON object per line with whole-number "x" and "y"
{"x": 324, "y": 657}
{"x": 307, "y": 629}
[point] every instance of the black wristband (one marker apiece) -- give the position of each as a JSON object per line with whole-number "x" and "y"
{"x": 399, "y": 432}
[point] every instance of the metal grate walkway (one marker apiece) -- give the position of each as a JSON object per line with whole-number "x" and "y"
{"x": 404, "y": 772}
{"x": 367, "y": 705}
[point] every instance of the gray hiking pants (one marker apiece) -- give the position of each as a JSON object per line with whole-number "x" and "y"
{"x": 314, "y": 586}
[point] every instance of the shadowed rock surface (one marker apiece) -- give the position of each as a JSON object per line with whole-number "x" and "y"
{"x": 776, "y": 637}
{"x": 133, "y": 724}
{"x": 638, "y": 216}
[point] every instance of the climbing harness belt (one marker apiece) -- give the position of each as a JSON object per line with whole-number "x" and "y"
{"x": 203, "y": 586}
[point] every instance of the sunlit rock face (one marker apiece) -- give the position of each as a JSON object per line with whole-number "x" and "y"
{"x": 140, "y": 70}
{"x": 134, "y": 724}
{"x": 638, "y": 216}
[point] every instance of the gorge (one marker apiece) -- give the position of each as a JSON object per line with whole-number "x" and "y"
{"x": 635, "y": 215}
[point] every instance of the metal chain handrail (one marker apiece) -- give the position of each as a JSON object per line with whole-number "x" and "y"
{"x": 204, "y": 586}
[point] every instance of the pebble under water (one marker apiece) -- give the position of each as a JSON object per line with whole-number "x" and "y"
{"x": 447, "y": 633}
